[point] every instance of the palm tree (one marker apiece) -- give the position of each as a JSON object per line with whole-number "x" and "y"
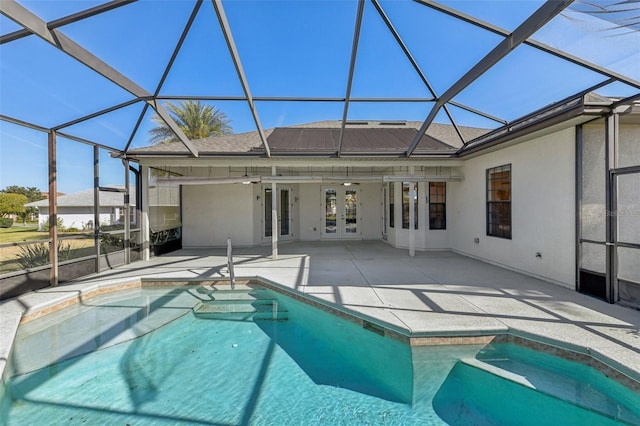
{"x": 196, "y": 120}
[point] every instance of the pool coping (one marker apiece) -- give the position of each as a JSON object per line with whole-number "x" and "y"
{"x": 40, "y": 303}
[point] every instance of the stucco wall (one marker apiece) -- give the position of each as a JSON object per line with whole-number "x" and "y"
{"x": 371, "y": 211}
{"x": 543, "y": 208}
{"x": 74, "y": 217}
{"x": 310, "y": 212}
{"x": 213, "y": 213}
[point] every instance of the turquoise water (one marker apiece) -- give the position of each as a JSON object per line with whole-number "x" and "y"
{"x": 312, "y": 368}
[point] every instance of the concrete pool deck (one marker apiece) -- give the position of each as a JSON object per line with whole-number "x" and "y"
{"x": 432, "y": 294}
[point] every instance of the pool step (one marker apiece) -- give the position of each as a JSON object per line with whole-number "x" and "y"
{"x": 231, "y": 295}
{"x": 474, "y": 392}
{"x": 241, "y": 305}
{"x": 497, "y": 371}
{"x": 558, "y": 386}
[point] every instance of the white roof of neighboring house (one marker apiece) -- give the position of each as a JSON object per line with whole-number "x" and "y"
{"x": 85, "y": 199}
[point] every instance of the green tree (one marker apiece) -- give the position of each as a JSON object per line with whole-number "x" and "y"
{"x": 12, "y": 204}
{"x": 32, "y": 194}
{"x": 195, "y": 119}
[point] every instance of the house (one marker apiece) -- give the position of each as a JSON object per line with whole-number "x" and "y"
{"x": 76, "y": 209}
{"x": 531, "y": 196}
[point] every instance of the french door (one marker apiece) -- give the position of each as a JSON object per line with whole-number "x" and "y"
{"x": 340, "y": 212}
{"x": 284, "y": 218}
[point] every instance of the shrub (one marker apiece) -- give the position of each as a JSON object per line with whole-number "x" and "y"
{"x": 6, "y": 222}
{"x": 115, "y": 242}
{"x": 59, "y": 223}
{"x": 71, "y": 229}
{"x": 111, "y": 242}
{"x": 34, "y": 255}
{"x": 111, "y": 227}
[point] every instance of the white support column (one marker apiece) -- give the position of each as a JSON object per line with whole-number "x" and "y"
{"x": 275, "y": 223}
{"x": 144, "y": 213}
{"x": 412, "y": 215}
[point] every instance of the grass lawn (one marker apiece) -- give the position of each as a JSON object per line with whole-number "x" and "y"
{"x": 16, "y": 234}
{"x": 80, "y": 243}
{"x": 21, "y": 233}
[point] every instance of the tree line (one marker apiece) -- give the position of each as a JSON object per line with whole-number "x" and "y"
{"x": 12, "y": 202}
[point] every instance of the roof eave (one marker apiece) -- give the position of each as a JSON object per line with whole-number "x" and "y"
{"x": 302, "y": 154}
{"x": 541, "y": 119}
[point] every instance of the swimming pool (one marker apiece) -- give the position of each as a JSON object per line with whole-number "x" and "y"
{"x": 195, "y": 355}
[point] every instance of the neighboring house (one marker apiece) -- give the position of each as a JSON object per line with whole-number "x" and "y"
{"x": 76, "y": 209}
{"x": 530, "y": 196}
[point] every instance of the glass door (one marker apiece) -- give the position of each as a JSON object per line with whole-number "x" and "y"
{"x": 284, "y": 214}
{"x": 340, "y": 212}
{"x": 350, "y": 212}
{"x": 284, "y": 218}
{"x": 268, "y": 214}
{"x": 330, "y": 213}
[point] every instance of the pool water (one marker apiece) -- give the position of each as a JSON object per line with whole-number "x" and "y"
{"x": 161, "y": 356}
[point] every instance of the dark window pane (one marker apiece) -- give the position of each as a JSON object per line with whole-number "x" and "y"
{"x": 391, "y": 204}
{"x": 499, "y": 201}
{"x": 267, "y": 213}
{"x": 437, "y": 216}
{"x": 499, "y": 219}
{"x": 437, "y": 205}
{"x": 284, "y": 212}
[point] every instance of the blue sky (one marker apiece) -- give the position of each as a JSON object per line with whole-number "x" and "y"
{"x": 288, "y": 48}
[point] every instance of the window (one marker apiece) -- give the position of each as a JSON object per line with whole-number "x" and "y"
{"x": 384, "y": 210}
{"x": 437, "y": 205}
{"x": 499, "y": 201}
{"x": 391, "y": 204}
{"x": 405, "y": 203}
{"x": 268, "y": 220}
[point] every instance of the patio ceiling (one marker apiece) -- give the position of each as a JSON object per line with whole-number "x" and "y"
{"x": 99, "y": 75}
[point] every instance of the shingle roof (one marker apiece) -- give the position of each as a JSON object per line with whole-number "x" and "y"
{"x": 323, "y": 136}
{"x": 240, "y": 142}
{"x": 387, "y": 140}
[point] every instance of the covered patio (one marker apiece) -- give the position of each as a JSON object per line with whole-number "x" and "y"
{"x": 369, "y": 95}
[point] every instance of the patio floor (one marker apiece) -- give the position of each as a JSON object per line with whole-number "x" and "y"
{"x": 434, "y": 293}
